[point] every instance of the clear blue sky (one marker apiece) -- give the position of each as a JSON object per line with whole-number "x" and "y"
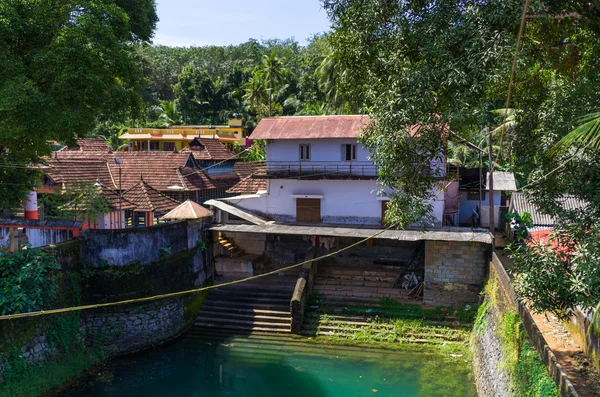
{"x": 223, "y": 22}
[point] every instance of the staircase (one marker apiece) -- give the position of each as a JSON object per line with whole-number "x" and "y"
{"x": 261, "y": 305}
{"x": 354, "y": 284}
{"x": 230, "y": 246}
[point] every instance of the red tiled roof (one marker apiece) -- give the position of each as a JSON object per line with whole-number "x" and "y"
{"x": 112, "y": 198}
{"x": 249, "y": 185}
{"x": 188, "y": 210}
{"x": 246, "y": 168}
{"x": 86, "y": 145}
{"x": 208, "y": 149}
{"x": 310, "y": 127}
{"x": 146, "y": 198}
{"x": 225, "y": 181}
{"x": 73, "y": 170}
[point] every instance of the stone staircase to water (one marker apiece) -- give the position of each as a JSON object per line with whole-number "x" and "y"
{"x": 261, "y": 305}
{"x": 352, "y": 284}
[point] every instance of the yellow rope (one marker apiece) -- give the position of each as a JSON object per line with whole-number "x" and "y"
{"x": 191, "y": 291}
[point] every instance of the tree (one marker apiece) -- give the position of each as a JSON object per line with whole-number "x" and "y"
{"x": 194, "y": 93}
{"x": 80, "y": 201}
{"x": 441, "y": 64}
{"x": 273, "y": 72}
{"x": 255, "y": 93}
{"x": 64, "y": 66}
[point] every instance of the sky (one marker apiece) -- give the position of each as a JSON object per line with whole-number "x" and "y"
{"x": 224, "y": 22}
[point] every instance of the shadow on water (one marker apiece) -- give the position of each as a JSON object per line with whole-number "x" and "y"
{"x": 199, "y": 366}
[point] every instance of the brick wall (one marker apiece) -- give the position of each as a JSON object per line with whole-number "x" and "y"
{"x": 454, "y": 272}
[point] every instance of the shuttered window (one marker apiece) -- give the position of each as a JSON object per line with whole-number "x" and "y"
{"x": 304, "y": 152}
{"x": 348, "y": 152}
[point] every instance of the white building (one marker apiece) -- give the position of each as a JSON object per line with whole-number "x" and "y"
{"x": 317, "y": 171}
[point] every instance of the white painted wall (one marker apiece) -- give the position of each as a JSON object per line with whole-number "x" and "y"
{"x": 321, "y": 150}
{"x": 344, "y": 201}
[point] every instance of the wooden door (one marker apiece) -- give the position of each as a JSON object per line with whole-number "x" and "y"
{"x": 308, "y": 210}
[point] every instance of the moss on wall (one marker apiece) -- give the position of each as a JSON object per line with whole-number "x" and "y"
{"x": 499, "y": 327}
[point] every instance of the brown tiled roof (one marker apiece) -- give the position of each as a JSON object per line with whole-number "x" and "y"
{"x": 164, "y": 171}
{"x": 87, "y": 145}
{"x": 112, "y": 198}
{"x": 310, "y": 127}
{"x": 246, "y": 168}
{"x": 208, "y": 149}
{"x": 73, "y": 170}
{"x": 188, "y": 210}
{"x": 249, "y": 185}
{"x": 146, "y": 198}
{"x": 225, "y": 181}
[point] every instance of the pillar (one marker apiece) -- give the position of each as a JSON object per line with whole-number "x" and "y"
{"x": 31, "y": 206}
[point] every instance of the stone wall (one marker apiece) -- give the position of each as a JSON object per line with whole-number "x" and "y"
{"x": 491, "y": 377}
{"x": 454, "y": 272}
{"x": 124, "y": 328}
{"x": 139, "y": 245}
{"x": 580, "y": 328}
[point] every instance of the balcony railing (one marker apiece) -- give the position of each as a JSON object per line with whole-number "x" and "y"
{"x": 318, "y": 170}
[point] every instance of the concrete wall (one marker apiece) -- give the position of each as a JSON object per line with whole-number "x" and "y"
{"x": 344, "y": 201}
{"x": 580, "y": 328}
{"x": 139, "y": 245}
{"x": 454, "y": 272}
{"x": 287, "y": 150}
{"x": 124, "y": 328}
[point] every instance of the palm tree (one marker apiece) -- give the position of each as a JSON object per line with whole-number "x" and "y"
{"x": 273, "y": 72}
{"x": 586, "y": 134}
{"x": 328, "y": 74}
{"x": 170, "y": 112}
{"x": 255, "y": 93}
{"x": 113, "y": 139}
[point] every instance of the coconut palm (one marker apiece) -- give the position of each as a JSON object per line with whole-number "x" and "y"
{"x": 586, "y": 134}
{"x": 255, "y": 93}
{"x": 113, "y": 139}
{"x": 273, "y": 72}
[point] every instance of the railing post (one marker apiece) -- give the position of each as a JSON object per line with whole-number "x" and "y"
{"x": 350, "y": 169}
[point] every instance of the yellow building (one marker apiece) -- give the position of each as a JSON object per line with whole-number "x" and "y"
{"x": 178, "y": 137}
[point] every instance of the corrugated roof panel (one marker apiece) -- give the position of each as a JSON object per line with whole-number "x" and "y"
{"x": 520, "y": 204}
{"x": 310, "y": 127}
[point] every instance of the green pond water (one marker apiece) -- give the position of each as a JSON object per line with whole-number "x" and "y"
{"x": 204, "y": 365}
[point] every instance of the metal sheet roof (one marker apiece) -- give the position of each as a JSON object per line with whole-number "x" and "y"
{"x": 310, "y": 127}
{"x": 520, "y": 204}
{"x": 446, "y": 234}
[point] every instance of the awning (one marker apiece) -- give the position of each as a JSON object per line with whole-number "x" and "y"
{"x": 458, "y": 234}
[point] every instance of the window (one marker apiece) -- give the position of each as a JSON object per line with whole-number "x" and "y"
{"x": 304, "y": 152}
{"x": 168, "y": 146}
{"x": 349, "y": 152}
{"x": 154, "y": 146}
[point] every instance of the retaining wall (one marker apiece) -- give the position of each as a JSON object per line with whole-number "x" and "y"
{"x": 86, "y": 277}
{"x": 491, "y": 379}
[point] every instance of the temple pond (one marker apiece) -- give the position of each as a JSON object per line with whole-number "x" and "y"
{"x": 212, "y": 365}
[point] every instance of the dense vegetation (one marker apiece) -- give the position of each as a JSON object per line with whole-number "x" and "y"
{"x": 446, "y": 66}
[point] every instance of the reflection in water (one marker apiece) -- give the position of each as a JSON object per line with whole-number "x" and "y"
{"x": 197, "y": 367}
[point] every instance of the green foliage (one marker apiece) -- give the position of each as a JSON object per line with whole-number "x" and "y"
{"x": 562, "y": 274}
{"x": 64, "y": 333}
{"x": 530, "y": 376}
{"x": 519, "y": 224}
{"x": 256, "y": 152}
{"x": 39, "y": 379}
{"x": 80, "y": 201}
{"x": 165, "y": 251}
{"x": 65, "y": 67}
{"x": 27, "y": 280}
